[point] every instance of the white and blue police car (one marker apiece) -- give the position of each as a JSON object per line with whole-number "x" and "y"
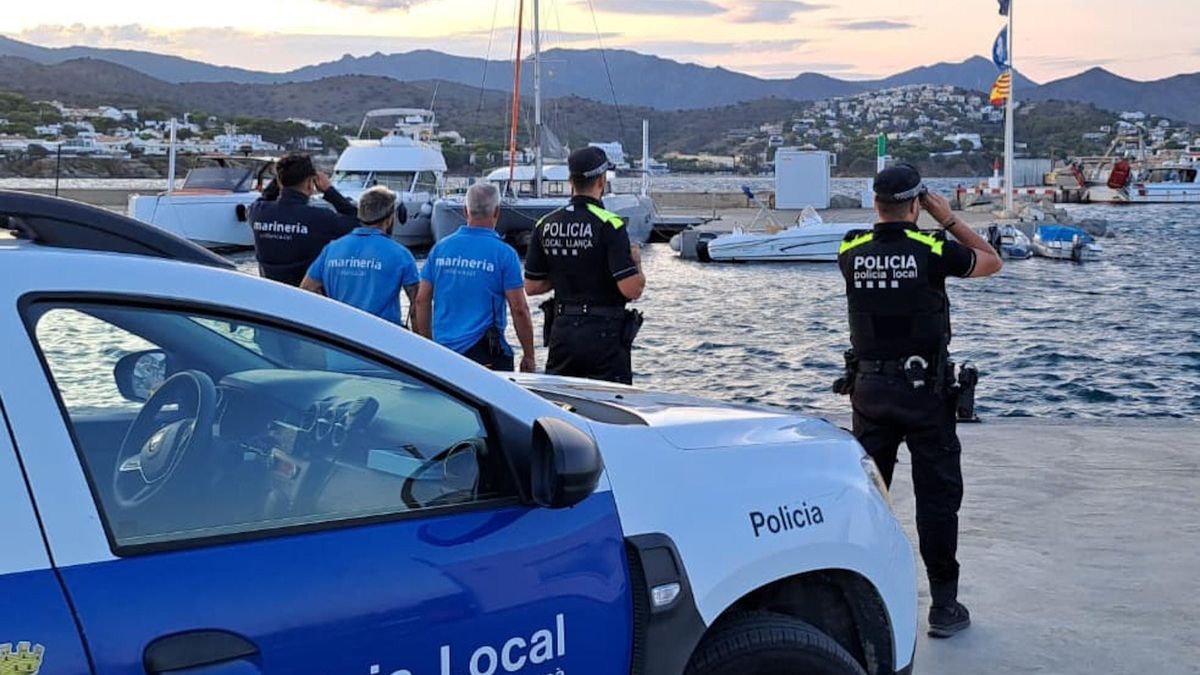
{"x": 204, "y": 472}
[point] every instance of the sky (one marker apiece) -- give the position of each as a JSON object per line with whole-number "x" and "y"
{"x": 850, "y": 39}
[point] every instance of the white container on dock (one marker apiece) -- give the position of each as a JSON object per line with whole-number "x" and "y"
{"x": 802, "y": 178}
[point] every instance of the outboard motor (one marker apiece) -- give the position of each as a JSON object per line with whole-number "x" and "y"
{"x": 1077, "y": 246}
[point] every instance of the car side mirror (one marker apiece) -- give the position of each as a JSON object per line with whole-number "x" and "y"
{"x": 139, "y": 374}
{"x": 566, "y": 464}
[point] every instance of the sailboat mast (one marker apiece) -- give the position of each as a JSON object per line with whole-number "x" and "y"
{"x": 537, "y": 98}
{"x": 516, "y": 105}
{"x": 1009, "y": 150}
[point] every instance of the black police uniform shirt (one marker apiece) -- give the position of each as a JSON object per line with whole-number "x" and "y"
{"x": 896, "y": 289}
{"x": 584, "y": 251}
{"x": 289, "y": 233}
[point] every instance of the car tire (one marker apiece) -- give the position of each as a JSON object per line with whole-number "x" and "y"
{"x": 764, "y": 643}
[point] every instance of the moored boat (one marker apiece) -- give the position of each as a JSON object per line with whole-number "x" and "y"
{"x": 211, "y": 206}
{"x": 1065, "y": 242}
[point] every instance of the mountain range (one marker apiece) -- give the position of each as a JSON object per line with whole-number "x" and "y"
{"x": 627, "y": 78}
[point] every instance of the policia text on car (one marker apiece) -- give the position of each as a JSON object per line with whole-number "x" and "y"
{"x": 899, "y": 376}
{"x": 582, "y": 253}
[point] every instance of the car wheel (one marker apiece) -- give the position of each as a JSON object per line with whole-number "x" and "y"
{"x": 763, "y": 643}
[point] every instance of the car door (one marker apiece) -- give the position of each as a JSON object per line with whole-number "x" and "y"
{"x": 283, "y": 503}
{"x": 37, "y": 631}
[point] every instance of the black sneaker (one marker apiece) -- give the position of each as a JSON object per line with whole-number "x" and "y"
{"x": 947, "y": 622}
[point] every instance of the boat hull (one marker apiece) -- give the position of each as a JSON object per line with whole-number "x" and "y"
{"x": 212, "y": 220}
{"x": 817, "y": 243}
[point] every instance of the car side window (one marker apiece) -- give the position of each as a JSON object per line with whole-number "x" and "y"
{"x": 225, "y": 429}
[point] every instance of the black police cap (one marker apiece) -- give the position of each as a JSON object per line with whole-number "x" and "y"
{"x": 899, "y": 183}
{"x": 588, "y": 162}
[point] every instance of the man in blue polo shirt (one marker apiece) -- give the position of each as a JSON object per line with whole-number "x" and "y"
{"x": 466, "y": 284}
{"x": 367, "y": 269}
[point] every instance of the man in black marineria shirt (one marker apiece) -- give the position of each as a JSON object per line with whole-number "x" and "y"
{"x": 289, "y": 232}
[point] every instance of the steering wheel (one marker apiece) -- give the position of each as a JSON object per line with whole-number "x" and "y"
{"x": 151, "y": 453}
{"x": 440, "y": 459}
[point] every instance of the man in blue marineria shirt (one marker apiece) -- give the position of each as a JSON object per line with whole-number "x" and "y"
{"x": 367, "y": 269}
{"x": 466, "y": 284}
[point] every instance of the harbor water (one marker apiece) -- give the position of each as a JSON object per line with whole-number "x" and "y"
{"x": 1116, "y": 338}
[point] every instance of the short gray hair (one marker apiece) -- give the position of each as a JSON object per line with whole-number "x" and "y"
{"x": 376, "y": 204}
{"x": 482, "y": 200}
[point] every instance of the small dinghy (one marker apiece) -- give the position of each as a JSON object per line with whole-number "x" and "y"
{"x": 1065, "y": 242}
{"x": 1010, "y": 242}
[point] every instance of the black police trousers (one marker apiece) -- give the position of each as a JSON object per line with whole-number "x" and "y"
{"x": 887, "y": 410}
{"x": 592, "y": 347}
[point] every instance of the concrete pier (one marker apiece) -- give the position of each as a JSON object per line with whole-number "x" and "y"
{"x": 1080, "y": 549}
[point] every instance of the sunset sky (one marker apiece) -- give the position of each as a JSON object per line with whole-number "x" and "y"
{"x": 856, "y": 39}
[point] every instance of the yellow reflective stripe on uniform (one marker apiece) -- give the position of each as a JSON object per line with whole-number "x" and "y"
{"x": 856, "y": 242}
{"x": 607, "y": 216}
{"x": 929, "y": 240}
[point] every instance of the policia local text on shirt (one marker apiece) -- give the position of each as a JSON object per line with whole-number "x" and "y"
{"x": 899, "y": 376}
{"x": 582, "y": 252}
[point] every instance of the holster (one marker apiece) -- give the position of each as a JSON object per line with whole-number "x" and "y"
{"x": 633, "y": 325}
{"x": 844, "y": 385}
{"x": 968, "y": 381}
{"x": 550, "y": 313}
{"x": 495, "y": 342}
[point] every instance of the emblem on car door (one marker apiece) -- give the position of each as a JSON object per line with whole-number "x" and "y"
{"x": 26, "y": 660}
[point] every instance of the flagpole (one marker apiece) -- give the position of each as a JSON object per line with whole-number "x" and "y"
{"x": 1009, "y": 145}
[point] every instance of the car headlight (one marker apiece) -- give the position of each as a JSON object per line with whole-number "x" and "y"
{"x": 872, "y": 471}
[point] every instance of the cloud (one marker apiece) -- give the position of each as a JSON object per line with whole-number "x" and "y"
{"x": 678, "y": 48}
{"x": 54, "y": 35}
{"x": 1071, "y": 62}
{"x": 378, "y": 5}
{"x": 775, "y": 11}
{"x": 655, "y": 7}
{"x": 878, "y": 24}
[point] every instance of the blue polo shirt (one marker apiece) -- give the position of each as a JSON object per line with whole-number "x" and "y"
{"x": 366, "y": 269}
{"x": 470, "y": 272}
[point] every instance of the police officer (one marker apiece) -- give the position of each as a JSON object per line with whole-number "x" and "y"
{"x": 289, "y": 233}
{"x": 900, "y": 385}
{"x": 582, "y": 253}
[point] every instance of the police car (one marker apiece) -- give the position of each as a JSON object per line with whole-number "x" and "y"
{"x": 206, "y": 472}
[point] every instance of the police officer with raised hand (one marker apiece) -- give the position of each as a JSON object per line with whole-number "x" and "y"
{"x": 289, "y": 232}
{"x": 582, "y": 252}
{"x": 899, "y": 376}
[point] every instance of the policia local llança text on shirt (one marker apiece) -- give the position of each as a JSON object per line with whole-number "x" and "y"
{"x": 582, "y": 252}
{"x": 899, "y": 375}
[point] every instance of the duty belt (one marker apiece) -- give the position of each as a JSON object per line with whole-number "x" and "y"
{"x": 896, "y": 366}
{"x": 577, "y": 309}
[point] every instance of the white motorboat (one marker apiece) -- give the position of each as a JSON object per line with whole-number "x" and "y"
{"x": 1065, "y": 242}
{"x": 809, "y": 240}
{"x": 211, "y": 206}
{"x": 1166, "y": 184}
{"x": 405, "y": 159}
{"x": 521, "y": 208}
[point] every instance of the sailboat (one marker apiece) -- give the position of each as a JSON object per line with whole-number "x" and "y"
{"x": 531, "y": 192}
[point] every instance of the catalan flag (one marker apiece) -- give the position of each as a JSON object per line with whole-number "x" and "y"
{"x": 1002, "y": 89}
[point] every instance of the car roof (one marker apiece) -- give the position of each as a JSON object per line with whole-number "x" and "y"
{"x": 62, "y": 223}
